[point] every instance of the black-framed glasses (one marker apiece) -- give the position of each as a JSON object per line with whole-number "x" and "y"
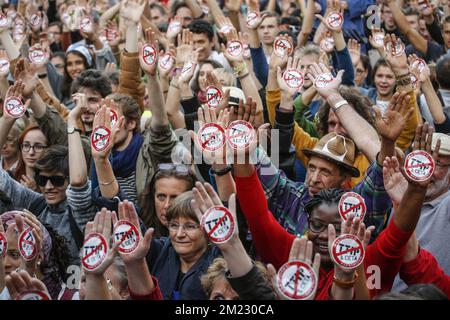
{"x": 36, "y": 147}
{"x": 317, "y": 226}
{"x": 180, "y": 168}
{"x": 57, "y": 181}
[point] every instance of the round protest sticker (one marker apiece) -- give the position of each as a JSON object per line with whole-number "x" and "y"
{"x": 114, "y": 117}
{"x": 323, "y": 80}
{"x": 18, "y": 33}
{"x": 174, "y": 26}
{"x": 3, "y": 244}
{"x": 4, "y": 66}
{"x": 218, "y": 223}
{"x": 418, "y": 64}
{"x": 188, "y": 65}
{"x": 293, "y": 78}
{"x": 414, "y": 80}
{"x": 3, "y": 21}
{"x": 14, "y": 107}
{"x": 347, "y": 251}
{"x": 86, "y": 25}
{"x": 35, "y": 19}
{"x": 296, "y": 280}
{"x": 100, "y": 138}
{"x": 213, "y": 96}
{"x": 27, "y": 244}
{"x": 33, "y": 295}
{"x": 394, "y": 48}
{"x": 327, "y": 44}
{"x": 226, "y": 29}
{"x": 111, "y": 34}
{"x": 235, "y": 48}
{"x": 335, "y": 20}
{"x": 252, "y": 18}
{"x": 282, "y": 47}
{"x": 352, "y": 202}
{"x": 378, "y": 38}
{"x": 37, "y": 55}
{"x": 94, "y": 251}
{"x": 419, "y": 165}
{"x": 240, "y": 134}
{"x": 211, "y": 137}
{"x": 247, "y": 52}
{"x": 127, "y": 235}
{"x": 149, "y": 54}
{"x": 166, "y": 61}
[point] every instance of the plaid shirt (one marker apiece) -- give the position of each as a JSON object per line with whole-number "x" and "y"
{"x": 287, "y": 199}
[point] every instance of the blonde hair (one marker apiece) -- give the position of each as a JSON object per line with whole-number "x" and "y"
{"x": 229, "y": 80}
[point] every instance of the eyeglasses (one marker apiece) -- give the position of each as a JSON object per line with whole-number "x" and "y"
{"x": 36, "y": 147}
{"x": 57, "y": 181}
{"x": 180, "y": 168}
{"x": 359, "y": 71}
{"x": 317, "y": 226}
{"x": 188, "y": 227}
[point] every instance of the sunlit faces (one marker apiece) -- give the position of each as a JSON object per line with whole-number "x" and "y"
{"x": 440, "y": 181}
{"x": 185, "y": 14}
{"x": 188, "y": 245}
{"x": 204, "y": 69}
{"x": 320, "y": 218}
{"x": 384, "y": 82}
{"x": 74, "y": 65}
{"x": 268, "y": 30}
{"x": 323, "y": 174}
{"x": 94, "y": 100}
{"x": 53, "y": 194}
{"x": 222, "y": 290}
{"x": 204, "y": 46}
{"x": 13, "y": 258}
{"x": 33, "y": 145}
{"x": 166, "y": 190}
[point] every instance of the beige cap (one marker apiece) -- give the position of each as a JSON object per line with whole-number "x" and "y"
{"x": 445, "y": 143}
{"x": 236, "y": 94}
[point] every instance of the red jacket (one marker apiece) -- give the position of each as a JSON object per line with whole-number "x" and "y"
{"x": 273, "y": 242}
{"x": 425, "y": 269}
{"x": 154, "y": 295}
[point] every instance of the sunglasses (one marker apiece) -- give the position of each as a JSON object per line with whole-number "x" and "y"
{"x": 57, "y": 181}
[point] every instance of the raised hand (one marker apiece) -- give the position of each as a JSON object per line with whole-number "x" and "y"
{"x": 334, "y": 16}
{"x": 233, "y": 5}
{"x": 234, "y": 52}
{"x": 377, "y": 39}
{"x": 16, "y": 90}
{"x": 174, "y": 28}
{"x": 26, "y": 72}
{"x": 188, "y": 68}
{"x": 19, "y": 282}
{"x": 323, "y": 80}
{"x": 225, "y": 27}
{"x": 354, "y": 48}
{"x": 149, "y": 68}
{"x": 132, "y": 10}
{"x": 112, "y": 28}
{"x": 24, "y": 219}
{"x": 296, "y": 64}
{"x": 397, "y": 60}
{"x": 391, "y": 124}
{"x": 185, "y": 46}
{"x": 394, "y": 182}
{"x": 422, "y": 72}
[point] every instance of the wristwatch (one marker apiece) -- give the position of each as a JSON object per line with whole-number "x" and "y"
{"x": 71, "y": 130}
{"x": 222, "y": 172}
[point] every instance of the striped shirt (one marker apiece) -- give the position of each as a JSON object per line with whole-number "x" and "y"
{"x": 128, "y": 186}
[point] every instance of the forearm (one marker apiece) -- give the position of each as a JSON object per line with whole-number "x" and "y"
{"x": 197, "y": 11}
{"x": 339, "y": 41}
{"x": 97, "y": 288}
{"x": 159, "y": 115}
{"x": 4, "y": 86}
{"x": 308, "y": 22}
{"x": 147, "y": 23}
{"x": 140, "y": 281}
{"x": 235, "y": 19}
{"x": 108, "y": 15}
{"x": 250, "y": 90}
{"x": 131, "y": 38}
{"x": 176, "y": 119}
{"x": 225, "y": 184}
{"x": 339, "y": 293}
{"x": 238, "y": 261}
{"x": 8, "y": 44}
{"x": 77, "y": 160}
{"x": 37, "y": 105}
{"x": 271, "y": 5}
{"x": 433, "y": 102}
{"x": 214, "y": 9}
{"x": 109, "y": 187}
{"x": 5, "y": 125}
{"x": 253, "y": 39}
{"x": 408, "y": 212}
{"x": 272, "y": 83}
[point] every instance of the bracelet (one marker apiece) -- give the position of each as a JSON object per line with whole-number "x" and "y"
{"x": 345, "y": 284}
{"x": 403, "y": 80}
{"x": 243, "y": 76}
{"x": 339, "y": 104}
{"x": 241, "y": 70}
{"x": 42, "y": 75}
{"x": 106, "y": 183}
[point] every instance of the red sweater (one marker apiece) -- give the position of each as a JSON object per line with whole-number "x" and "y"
{"x": 273, "y": 242}
{"x": 154, "y": 295}
{"x": 425, "y": 269}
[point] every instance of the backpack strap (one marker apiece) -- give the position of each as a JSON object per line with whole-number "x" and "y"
{"x": 75, "y": 230}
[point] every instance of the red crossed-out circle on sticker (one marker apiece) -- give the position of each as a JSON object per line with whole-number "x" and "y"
{"x": 418, "y": 64}
{"x": 27, "y": 244}
{"x": 379, "y": 38}
{"x": 335, "y": 20}
{"x": 35, "y": 19}
{"x": 213, "y": 96}
{"x": 293, "y": 78}
{"x": 226, "y": 29}
{"x": 240, "y": 134}
{"x": 166, "y": 61}
{"x": 351, "y": 202}
{"x": 394, "y": 48}
{"x": 100, "y": 138}
{"x": 37, "y": 55}
{"x": 149, "y": 54}
{"x": 252, "y": 18}
{"x": 419, "y": 165}
{"x": 127, "y": 235}
{"x": 94, "y": 251}
{"x": 323, "y": 80}
{"x": 235, "y": 48}
{"x": 218, "y": 223}
{"x": 4, "y": 66}
{"x": 14, "y": 107}
{"x": 296, "y": 280}
{"x": 3, "y": 244}
{"x": 347, "y": 251}
{"x": 3, "y": 20}
{"x": 114, "y": 117}
{"x": 111, "y": 34}
{"x": 33, "y": 295}
{"x": 86, "y": 25}
{"x": 282, "y": 47}
{"x": 188, "y": 65}
{"x": 174, "y": 25}
{"x": 211, "y": 137}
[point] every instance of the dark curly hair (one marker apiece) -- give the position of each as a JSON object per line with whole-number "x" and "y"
{"x": 202, "y": 26}
{"x": 93, "y": 79}
{"x": 359, "y": 102}
{"x": 324, "y": 196}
